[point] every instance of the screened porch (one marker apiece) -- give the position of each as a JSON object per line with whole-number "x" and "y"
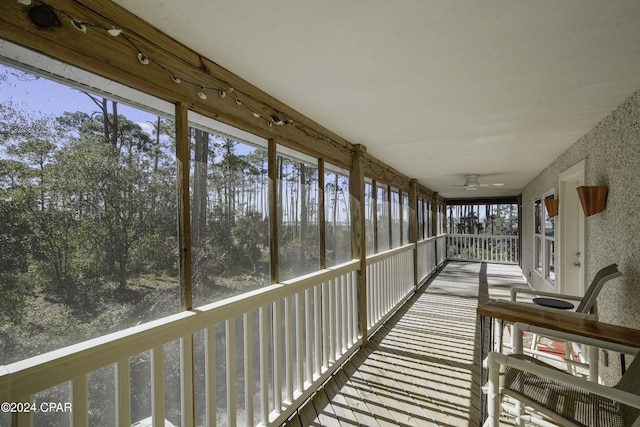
{"x": 182, "y": 245}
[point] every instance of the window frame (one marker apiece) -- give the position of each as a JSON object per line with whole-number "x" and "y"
{"x": 543, "y": 256}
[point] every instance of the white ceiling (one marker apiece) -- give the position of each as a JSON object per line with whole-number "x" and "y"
{"x": 436, "y": 89}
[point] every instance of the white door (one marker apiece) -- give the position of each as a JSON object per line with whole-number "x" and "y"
{"x": 571, "y": 231}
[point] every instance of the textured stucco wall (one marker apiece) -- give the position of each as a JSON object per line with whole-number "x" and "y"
{"x": 612, "y": 153}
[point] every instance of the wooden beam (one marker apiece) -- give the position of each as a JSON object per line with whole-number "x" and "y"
{"x": 504, "y": 200}
{"x": 321, "y": 215}
{"x": 116, "y": 58}
{"x": 184, "y": 205}
{"x": 413, "y": 226}
{"x": 379, "y": 171}
{"x": 273, "y": 211}
{"x": 358, "y": 237}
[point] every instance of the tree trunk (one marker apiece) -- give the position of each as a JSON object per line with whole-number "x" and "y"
{"x": 303, "y": 201}
{"x": 114, "y": 125}
{"x": 199, "y": 212}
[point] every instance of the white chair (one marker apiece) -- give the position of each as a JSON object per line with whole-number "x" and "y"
{"x": 587, "y": 302}
{"x": 587, "y": 305}
{"x": 544, "y": 393}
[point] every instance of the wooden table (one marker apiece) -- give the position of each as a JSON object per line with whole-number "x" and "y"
{"x": 558, "y": 320}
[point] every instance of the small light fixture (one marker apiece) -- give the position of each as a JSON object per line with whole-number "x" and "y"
{"x": 115, "y": 32}
{"x": 592, "y": 198}
{"x": 25, "y": 2}
{"x": 552, "y": 206}
{"x": 175, "y": 78}
{"x": 201, "y": 93}
{"x": 79, "y": 25}
{"x": 144, "y": 59}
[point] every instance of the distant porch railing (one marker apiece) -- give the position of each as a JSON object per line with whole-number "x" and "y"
{"x": 249, "y": 360}
{"x": 481, "y": 247}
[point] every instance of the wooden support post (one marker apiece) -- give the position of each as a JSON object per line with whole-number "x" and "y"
{"x": 413, "y": 227}
{"x": 358, "y": 238}
{"x": 434, "y": 225}
{"x": 389, "y": 219}
{"x": 184, "y": 242}
{"x": 273, "y": 211}
{"x": 321, "y": 216}
{"x": 184, "y": 211}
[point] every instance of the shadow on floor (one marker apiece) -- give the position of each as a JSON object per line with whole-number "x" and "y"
{"x": 422, "y": 367}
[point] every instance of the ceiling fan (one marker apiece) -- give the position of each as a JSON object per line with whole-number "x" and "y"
{"x": 471, "y": 183}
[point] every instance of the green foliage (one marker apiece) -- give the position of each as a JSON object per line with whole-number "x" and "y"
{"x": 483, "y": 219}
{"x": 250, "y": 235}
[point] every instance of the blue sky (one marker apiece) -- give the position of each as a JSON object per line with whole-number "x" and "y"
{"x": 50, "y": 97}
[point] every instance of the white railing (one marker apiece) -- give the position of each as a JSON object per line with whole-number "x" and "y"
{"x": 481, "y": 247}
{"x": 252, "y": 359}
{"x": 426, "y": 258}
{"x": 389, "y": 283}
{"x": 442, "y": 248}
{"x": 297, "y": 332}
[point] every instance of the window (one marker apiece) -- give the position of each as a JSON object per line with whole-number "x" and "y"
{"x": 87, "y": 212}
{"x": 395, "y": 218}
{"x": 544, "y": 239}
{"x": 229, "y": 211}
{"x": 537, "y": 218}
{"x": 405, "y": 219}
{"x": 428, "y": 218}
{"x": 370, "y": 214}
{"x": 298, "y": 221}
{"x": 549, "y": 245}
{"x": 337, "y": 215}
{"x": 382, "y": 217}
{"x": 420, "y": 219}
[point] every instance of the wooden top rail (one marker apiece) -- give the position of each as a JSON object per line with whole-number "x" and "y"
{"x": 425, "y": 241}
{"x": 568, "y": 322}
{"x": 371, "y": 259}
{"x": 485, "y": 236}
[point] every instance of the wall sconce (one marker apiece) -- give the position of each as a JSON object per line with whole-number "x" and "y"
{"x": 552, "y": 207}
{"x": 593, "y": 199}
